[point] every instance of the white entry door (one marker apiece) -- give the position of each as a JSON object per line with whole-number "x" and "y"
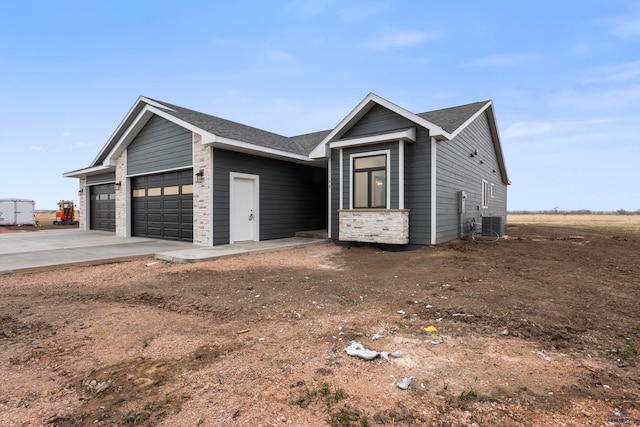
{"x": 244, "y": 221}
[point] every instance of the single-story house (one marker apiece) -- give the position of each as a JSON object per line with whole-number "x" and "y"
{"x": 383, "y": 175}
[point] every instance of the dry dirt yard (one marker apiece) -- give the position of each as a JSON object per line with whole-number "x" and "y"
{"x": 540, "y": 329}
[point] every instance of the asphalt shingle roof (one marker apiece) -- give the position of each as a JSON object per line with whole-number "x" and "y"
{"x": 452, "y": 118}
{"x": 447, "y": 118}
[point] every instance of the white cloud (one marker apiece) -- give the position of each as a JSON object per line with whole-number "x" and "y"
{"x": 605, "y": 100}
{"x": 35, "y": 148}
{"x": 616, "y": 73}
{"x": 65, "y": 134}
{"x": 503, "y": 60}
{"x": 527, "y": 129}
{"x": 80, "y": 145}
{"x": 277, "y": 55}
{"x": 402, "y": 39}
{"x": 627, "y": 29}
{"x": 563, "y": 127}
{"x": 309, "y": 8}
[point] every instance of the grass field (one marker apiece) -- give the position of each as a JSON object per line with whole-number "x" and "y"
{"x": 620, "y": 223}
{"x": 612, "y": 222}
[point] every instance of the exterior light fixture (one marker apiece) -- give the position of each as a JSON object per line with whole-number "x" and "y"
{"x": 117, "y": 185}
{"x": 199, "y": 176}
{"x": 80, "y": 191}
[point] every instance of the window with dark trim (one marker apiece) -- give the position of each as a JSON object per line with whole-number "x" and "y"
{"x": 485, "y": 193}
{"x": 370, "y": 181}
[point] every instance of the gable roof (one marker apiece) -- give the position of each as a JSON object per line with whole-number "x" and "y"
{"x": 443, "y": 124}
{"x": 214, "y": 130}
{"x": 452, "y": 118}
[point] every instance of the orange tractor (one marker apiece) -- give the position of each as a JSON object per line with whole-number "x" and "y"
{"x": 66, "y": 213}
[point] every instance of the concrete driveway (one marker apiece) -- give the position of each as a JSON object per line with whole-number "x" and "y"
{"x": 38, "y": 250}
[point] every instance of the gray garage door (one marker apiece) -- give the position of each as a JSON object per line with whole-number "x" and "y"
{"x": 162, "y": 206}
{"x": 102, "y": 207}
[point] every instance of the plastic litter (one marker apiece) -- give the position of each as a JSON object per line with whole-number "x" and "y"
{"x": 400, "y": 312}
{"x": 385, "y": 355}
{"x": 358, "y": 350}
{"x": 376, "y": 337}
{"x": 405, "y": 383}
{"x": 434, "y": 341}
{"x": 430, "y": 329}
{"x": 543, "y": 355}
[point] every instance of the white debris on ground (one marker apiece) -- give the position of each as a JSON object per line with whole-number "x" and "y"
{"x": 358, "y": 350}
{"x": 405, "y": 383}
{"x": 543, "y": 355}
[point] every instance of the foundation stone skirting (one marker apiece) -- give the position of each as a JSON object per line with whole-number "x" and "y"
{"x": 82, "y": 198}
{"x": 121, "y": 196}
{"x": 390, "y": 226}
{"x": 202, "y": 193}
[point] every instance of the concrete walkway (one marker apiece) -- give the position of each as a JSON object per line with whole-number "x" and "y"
{"x": 41, "y": 250}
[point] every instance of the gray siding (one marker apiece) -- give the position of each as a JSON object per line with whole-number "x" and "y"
{"x": 160, "y": 146}
{"x": 103, "y": 178}
{"x": 292, "y": 196}
{"x": 417, "y": 191}
{"x": 335, "y": 193}
{"x": 457, "y": 170}
{"x": 418, "y": 187}
{"x": 377, "y": 120}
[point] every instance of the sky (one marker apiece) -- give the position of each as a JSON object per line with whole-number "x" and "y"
{"x": 564, "y": 78}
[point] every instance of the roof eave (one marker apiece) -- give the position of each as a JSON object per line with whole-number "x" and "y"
{"x": 493, "y": 126}
{"x": 88, "y": 171}
{"x": 322, "y": 149}
{"x": 143, "y": 116}
{"x": 218, "y": 141}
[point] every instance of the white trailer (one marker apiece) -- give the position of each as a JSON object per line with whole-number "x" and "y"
{"x": 17, "y": 212}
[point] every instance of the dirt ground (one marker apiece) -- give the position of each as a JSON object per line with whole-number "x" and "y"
{"x": 540, "y": 329}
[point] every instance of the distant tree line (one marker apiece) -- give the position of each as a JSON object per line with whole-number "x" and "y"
{"x": 556, "y": 211}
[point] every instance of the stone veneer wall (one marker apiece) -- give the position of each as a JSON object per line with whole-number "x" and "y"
{"x": 121, "y": 196}
{"x": 202, "y": 193}
{"x": 82, "y": 199}
{"x": 390, "y": 226}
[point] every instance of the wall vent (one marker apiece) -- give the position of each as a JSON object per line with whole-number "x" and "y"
{"x": 492, "y": 225}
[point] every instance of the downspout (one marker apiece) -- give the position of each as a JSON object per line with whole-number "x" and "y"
{"x": 329, "y": 190}
{"x": 433, "y": 191}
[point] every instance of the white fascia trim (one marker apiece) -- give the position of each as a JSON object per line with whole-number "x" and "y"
{"x": 205, "y": 135}
{"x": 141, "y": 99}
{"x": 401, "y": 135}
{"x": 115, "y": 132}
{"x": 361, "y": 109}
{"x": 493, "y": 125}
{"x": 139, "y": 122}
{"x": 155, "y": 104}
{"x": 88, "y": 171}
{"x": 434, "y": 198}
{"x": 235, "y": 145}
{"x": 469, "y": 120}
